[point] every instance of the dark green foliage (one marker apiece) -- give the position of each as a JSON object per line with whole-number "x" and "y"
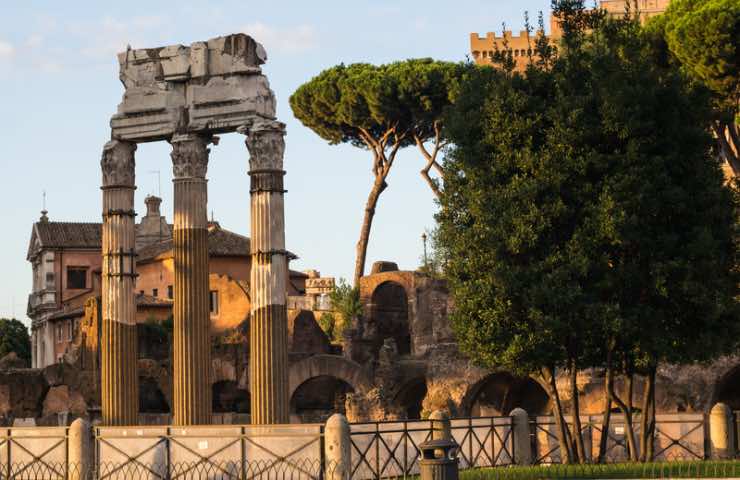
{"x": 345, "y": 301}
{"x": 14, "y": 338}
{"x": 703, "y": 36}
{"x": 583, "y": 213}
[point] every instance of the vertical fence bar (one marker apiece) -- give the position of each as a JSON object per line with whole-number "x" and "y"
{"x": 377, "y": 450}
{"x": 243, "y": 445}
{"x": 7, "y": 441}
{"x": 167, "y": 454}
{"x": 322, "y": 452}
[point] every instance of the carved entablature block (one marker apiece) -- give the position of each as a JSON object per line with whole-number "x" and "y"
{"x": 118, "y": 164}
{"x": 209, "y": 87}
{"x": 266, "y": 144}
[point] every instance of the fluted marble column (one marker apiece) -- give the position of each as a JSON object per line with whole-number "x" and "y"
{"x": 268, "y": 331}
{"x": 119, "y": 376}
{"x": 191, "y": 368}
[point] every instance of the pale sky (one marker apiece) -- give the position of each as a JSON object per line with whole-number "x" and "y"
{"x": 59, "y": 86}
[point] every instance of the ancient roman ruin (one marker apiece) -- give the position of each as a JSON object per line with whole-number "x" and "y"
{"x": 246, "y": 345}
{"x": 186, "y": 96}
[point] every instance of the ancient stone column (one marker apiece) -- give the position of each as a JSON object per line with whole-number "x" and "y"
{"x": 268, "y": 330}
{"x": 119, "y": 376}
{"x": 191, "y": 385}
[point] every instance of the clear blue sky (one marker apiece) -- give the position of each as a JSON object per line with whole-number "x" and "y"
{"x": 59, "y": 86}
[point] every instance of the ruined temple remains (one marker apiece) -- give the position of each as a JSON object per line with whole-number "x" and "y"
{"x": 187, "y": 95}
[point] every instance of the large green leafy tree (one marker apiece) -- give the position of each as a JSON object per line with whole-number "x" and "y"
{"x": 583, "y": 220}
{"x": 704, "y": 36}
{"x": 380, "y": 109}
{"x": 14, "y": 338}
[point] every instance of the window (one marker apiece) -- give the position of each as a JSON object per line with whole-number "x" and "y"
{"x": 155, "y": 292}
{"x": 141, "y": 292}
{"x": 76, "y": 278}
{"x": 50, "y": 280}
{"x": 69, "y": 330}
{"x": 214, "y": 302}
{"x": 170, "y": 292}
{"x": 59, "y": 332}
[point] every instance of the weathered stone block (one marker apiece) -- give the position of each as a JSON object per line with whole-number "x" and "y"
{"x": 208, "y": 87}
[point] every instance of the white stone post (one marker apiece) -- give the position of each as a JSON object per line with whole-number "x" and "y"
{"x": 337, "y": 448}
{"x": 441, "y": 428}
{"x": 522, "y": 444}
{"x": 79, "y": 451}
{"x": 720, "y": 432}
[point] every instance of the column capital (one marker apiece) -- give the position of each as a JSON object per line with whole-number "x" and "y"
{"x": 190, "y": 154}
{"x": 118, "y": 164}
{"x": 266, "y": 144}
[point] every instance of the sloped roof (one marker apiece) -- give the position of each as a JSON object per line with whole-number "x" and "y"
{"x": 69, "y": 234}
{"x": 221, "y": 243}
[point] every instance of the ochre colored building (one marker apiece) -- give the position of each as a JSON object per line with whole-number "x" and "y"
{"x": 66, "y": 260}
{"x": 521, "y": 46}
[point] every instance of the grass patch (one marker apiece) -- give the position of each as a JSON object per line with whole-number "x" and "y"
{"x": 681, "y": 469}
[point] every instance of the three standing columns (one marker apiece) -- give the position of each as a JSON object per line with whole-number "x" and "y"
{"x": 119, "y": 369}
{"x": 191, "y": 394}
{"x": 268, "y": 330}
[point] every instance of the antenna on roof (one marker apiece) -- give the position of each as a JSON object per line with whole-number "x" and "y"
{"x": 212, "y": 216}
{"x": 44, "y": 211}
{"x": 159, "y": 181}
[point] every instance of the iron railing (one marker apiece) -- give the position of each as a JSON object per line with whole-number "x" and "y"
{"x": 391, "y": 448}
{"x": 175, "y": 452}
{"x": 674, "y": 439}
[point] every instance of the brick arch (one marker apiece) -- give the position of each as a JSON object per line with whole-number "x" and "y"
{"x": 725, "y": 386}
{"x": 331, "y": 366}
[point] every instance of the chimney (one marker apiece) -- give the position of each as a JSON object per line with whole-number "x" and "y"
{"x": 152, "y": 206}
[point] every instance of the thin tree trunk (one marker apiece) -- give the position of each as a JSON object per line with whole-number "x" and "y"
{"x": 372, "y": 201}
{"x": 631, "y": 442}
{"x": 566, "y": 452}
{"x": 577, "y": 430}
{"x": 647, "y": 420}
{"x": 606, "y": 420}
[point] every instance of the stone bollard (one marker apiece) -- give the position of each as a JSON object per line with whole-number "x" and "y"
{"x": 522, "y": 442}
{"x": 337, "y": 448}
{"x": 720, "y": 432}
{"x": 441, "y": 429}
{"x": 79, "y": 450}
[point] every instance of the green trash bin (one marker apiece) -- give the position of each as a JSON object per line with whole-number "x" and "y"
{"x": 439, "y": 460}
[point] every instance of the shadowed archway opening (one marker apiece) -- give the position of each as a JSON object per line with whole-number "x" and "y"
{"x": 151, "y": 398}
{"x": 390, "y": 316}
{"x": 318, "y": 398}
{"x": 229, "y": 398}
{"x": 728, "y": 389}
{"x": 410, "y": 398}
{"x": 500, "y": 393}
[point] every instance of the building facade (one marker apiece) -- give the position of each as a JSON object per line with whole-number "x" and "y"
{"x": 521, "y": 46}
{"x": 66, "y": 262}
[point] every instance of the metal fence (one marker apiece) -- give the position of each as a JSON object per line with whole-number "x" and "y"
{"x": 391, "y": 449}
{"x": 276, "y": 451}
{"x": 28, "y": 448}
{"x": 736, "y": 422}
{"x": 677, "y": 437}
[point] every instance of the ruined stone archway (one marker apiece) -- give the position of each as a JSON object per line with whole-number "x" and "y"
{"x": 501, "y": 392}
{"x": 410, "y": 397}
{"x": 727, "y": 389}
{"x": 390, "y": 315}
{"x": 151, "y": 397}
{"x": 227, "y": 397}
{"x": 331, "y": 366}
{"x": 316, "y": 399}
